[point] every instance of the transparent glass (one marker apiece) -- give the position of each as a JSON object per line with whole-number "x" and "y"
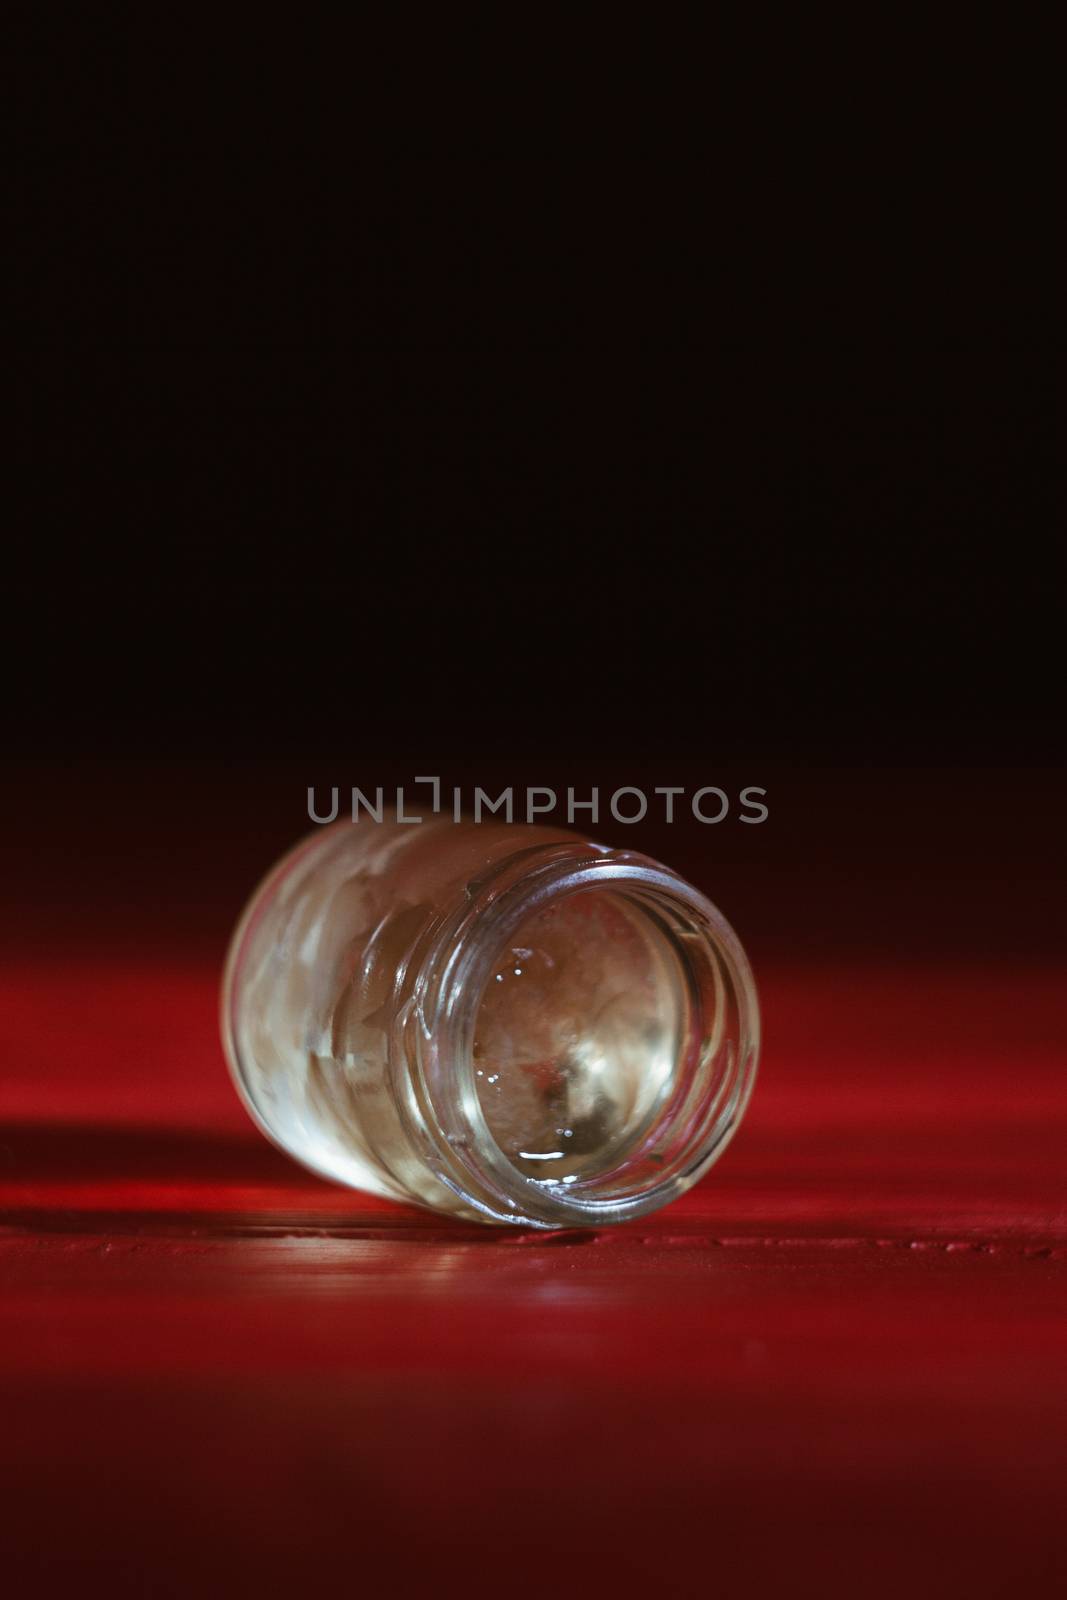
{"x": 511, "y": 1024}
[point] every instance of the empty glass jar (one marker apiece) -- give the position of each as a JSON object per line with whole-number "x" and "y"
{"x": 511, "y": 1024}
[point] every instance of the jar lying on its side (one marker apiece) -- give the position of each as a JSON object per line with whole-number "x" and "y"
{"x": 506, "y": 1023}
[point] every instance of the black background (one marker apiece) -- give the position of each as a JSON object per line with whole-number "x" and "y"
{"x": 364, "y": 435}
{"x": 732, "y": 552}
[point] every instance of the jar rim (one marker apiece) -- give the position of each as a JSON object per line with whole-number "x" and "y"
{"x": 435, "y": 1031}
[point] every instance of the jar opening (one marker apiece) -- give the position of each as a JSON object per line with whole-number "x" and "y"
{"x": 578, "y": 1036}
{"x": 594, "y": 1041}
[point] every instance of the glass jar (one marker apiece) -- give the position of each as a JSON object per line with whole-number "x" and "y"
{"x": 510, "y": 1024}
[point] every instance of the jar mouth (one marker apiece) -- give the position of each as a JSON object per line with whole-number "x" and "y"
{"x": 584, "y": 1036}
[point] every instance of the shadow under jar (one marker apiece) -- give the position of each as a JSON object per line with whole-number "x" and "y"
{"x": 509, "y": 1024}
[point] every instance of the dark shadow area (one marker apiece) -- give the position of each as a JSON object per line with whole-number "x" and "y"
{"x": 78, "y": 1151}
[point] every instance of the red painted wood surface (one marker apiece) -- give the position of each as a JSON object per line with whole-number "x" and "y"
{"x": 837, "y": 1367}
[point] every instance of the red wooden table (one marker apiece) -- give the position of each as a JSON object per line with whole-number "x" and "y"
{"x": 837, "y": 1367}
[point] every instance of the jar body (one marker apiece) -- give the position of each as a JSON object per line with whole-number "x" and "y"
{"x": 507, "y": 1023}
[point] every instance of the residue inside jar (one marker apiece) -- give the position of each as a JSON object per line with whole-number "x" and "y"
{"x": 577, "y": 1036}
